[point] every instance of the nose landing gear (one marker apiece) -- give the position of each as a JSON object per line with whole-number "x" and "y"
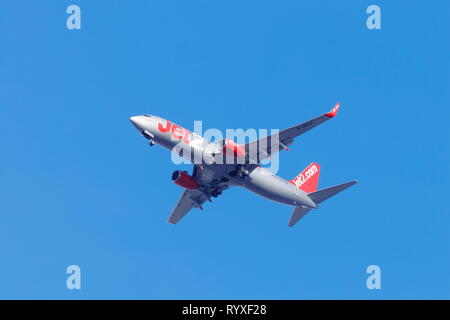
{"x": 147, "y": 135}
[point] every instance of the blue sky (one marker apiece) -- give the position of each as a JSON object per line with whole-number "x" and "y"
{"x": 80, "y": 186}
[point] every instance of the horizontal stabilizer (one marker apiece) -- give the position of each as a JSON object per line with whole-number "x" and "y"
{"x": 297, "y": 214}
{"x": 324, "y": 194}
{"x": 318, "y": 197}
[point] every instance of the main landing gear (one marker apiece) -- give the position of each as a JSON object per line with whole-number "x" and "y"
{"x": 240, "y": 171}
{"x": 216, "y": 192}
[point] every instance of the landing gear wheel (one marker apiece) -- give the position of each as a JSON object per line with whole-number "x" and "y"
{"x": 233, "y": 174}
{"x": 216, "y": 192}
{"x": 243, "y": 172}
{"x": 151, "y": 143}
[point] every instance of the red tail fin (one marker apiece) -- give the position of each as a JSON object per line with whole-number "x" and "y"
{"x": 308, "y": 180}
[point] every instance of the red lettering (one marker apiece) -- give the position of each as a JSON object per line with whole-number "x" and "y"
{"x": 177, "y": 132}
{"x": 166, "y": 129}
{"x": 187, "y": 135}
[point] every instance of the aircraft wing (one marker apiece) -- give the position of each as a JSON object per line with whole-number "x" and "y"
{"x": 189, "y": 200}
{"x": 264, "y": 148}
{"x": 195, "y": 198}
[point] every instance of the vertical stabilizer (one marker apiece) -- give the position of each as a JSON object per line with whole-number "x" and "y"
{"x": 308, "y": 179}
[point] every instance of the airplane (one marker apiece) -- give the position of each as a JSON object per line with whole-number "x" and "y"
{"x": 212, "y": 175}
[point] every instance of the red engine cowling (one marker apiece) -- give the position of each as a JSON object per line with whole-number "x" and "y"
{"x": 184, "y": 180}
{"x": 234, "y": 149}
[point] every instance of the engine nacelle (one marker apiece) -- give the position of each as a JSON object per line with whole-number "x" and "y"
{"x": 233, "y": 149}
{"x": 184, "y": 180}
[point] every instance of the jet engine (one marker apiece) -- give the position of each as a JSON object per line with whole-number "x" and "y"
{"x": 232, "y": 148}
{"x": 184, "y": 180}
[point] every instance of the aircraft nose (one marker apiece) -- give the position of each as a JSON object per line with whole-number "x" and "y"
{"x": 137, "y": 122}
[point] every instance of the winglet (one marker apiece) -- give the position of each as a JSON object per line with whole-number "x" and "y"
{"x": 333, "y": 111}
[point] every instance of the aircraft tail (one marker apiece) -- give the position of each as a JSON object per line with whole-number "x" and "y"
{"x": 308, "y": 179}
{"x": 318, "y": 197}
